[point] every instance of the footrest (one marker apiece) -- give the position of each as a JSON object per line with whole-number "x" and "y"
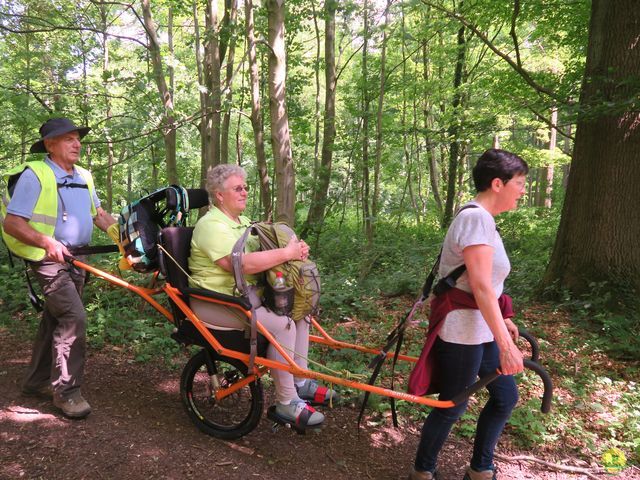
{"x": 278, "y": 420}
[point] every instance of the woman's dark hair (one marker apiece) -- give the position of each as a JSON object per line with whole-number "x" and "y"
{"x": 500, "y": 164}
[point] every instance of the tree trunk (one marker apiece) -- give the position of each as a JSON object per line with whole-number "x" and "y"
{"x": 430, "y": 145}
{"x": 315, "y": 217}
{"x": 280, "y": 136}
{"x": 202, "y": 124}
{"x": 230, "y": 22}
{"x": 549, "y": 170}
{"x": 212, "y": 84}
{"x": 598, "y": 235}
{"x": 107, "y": 104}
{"x": 454, "y": 129}
{"x": 376, "y": 167}
{"x": 316, "y": 73}
{"x": 256, "y": 115}
{"x": 169, "y": 129}
{"x": 366, "y": 213}
{"x": 405, "y": 135}
{"x": 170, "y": 69}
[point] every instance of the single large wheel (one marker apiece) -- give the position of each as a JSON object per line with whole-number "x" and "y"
{"x": 232, "y": 417}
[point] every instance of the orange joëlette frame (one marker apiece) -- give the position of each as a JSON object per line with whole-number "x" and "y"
{"x": 262, "y": 363}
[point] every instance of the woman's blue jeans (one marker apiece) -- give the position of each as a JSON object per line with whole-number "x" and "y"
{"x": 458, "y": 366}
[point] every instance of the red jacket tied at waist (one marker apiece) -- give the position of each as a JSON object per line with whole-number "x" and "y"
{"x": 453, "y": 299}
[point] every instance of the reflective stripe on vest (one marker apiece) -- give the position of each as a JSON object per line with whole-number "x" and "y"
{"x": 45, "y": 212}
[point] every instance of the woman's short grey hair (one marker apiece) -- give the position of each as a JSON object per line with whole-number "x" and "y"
{"x": 216, "y": 176}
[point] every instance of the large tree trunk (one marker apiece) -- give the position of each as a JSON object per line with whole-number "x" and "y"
{"x": 600, "y": 226}
{"x": 169, "y": 129}
{"x": 454, "y": 129}
{"x": 280, "y": 136}
{"x": 256, "y": 115}
{"x": 315, "y": 217}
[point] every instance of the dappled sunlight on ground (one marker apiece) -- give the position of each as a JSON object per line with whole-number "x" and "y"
{"x": 19, "y": 414}
{"x": 170, "y": 385}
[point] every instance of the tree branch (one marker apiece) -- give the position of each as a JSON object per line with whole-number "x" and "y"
{"x": 519, "y": 70}
{"x": 50, "y": 27}
{"x": 516, "y": 12}
{"x": 555, "y": 466}
{"x": 347, "y": 62}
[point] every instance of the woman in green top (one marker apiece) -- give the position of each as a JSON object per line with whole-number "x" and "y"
{"x": 210, "y": 263}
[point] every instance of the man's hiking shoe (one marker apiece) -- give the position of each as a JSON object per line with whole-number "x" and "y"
{"x": 316, "y": 394}
{"x": 45, "y": 391}
{"x": 73, "y": 406}
{"x": 416, "y": 475}
{"x": 299, "y": 413}
{"x": 484, "y": 475}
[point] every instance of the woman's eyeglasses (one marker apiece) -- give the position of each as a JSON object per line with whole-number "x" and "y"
{"x": 240, "y": 188}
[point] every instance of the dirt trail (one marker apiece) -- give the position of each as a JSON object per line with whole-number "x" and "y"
{"x": 139, "y": 430}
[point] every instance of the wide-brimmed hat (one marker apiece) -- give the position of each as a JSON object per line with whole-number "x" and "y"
{"x": 53, "y": 128}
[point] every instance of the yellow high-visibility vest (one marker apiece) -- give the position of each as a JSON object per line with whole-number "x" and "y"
{"x": 45, "y": 212}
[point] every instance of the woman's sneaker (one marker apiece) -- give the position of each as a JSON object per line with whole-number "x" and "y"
{"x": 316, "y": 394}
{"x": 484, "y": 475}
{"x": 416, "y": 475}
{"x": 300, "y": 413}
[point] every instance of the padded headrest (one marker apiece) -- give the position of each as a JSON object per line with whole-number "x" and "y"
{"x": 198, "y": 198}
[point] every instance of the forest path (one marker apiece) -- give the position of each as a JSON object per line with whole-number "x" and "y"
{"x": 139, "y": 430}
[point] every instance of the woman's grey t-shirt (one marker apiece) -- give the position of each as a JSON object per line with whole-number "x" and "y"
{"x": 472, "y": 226}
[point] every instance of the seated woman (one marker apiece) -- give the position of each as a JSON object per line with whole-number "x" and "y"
{"x": 210, "y": 263}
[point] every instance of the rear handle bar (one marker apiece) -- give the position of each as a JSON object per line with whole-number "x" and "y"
{"x": 486, "y": 380}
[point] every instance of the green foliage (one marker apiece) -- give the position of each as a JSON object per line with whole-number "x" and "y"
{"x": 528, "y": 235}
{"x": 356, "y": 276}
{"x": 614, "y": 326}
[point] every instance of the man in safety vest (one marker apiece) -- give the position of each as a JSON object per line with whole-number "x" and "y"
{"x": 51, "y": 206}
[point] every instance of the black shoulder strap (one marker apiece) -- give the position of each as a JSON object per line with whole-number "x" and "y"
{"x": 450, "y": 280}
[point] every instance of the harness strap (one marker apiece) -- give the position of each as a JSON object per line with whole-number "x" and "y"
{"x": 243, "y": 288}
{"x": 35, "y": 300}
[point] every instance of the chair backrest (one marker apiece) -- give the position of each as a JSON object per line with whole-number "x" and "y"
{"x": 177, "y": 242}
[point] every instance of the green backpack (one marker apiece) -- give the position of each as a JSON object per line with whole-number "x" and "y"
{"x": 302, "y": 277}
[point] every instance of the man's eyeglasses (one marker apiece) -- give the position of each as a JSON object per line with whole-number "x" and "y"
{"x": 240, "y": 188}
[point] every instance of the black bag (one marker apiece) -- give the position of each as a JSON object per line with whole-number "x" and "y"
{"x": 141, "y": 221}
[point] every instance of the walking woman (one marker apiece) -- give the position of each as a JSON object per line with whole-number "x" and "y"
{"x": 474, "y": 335}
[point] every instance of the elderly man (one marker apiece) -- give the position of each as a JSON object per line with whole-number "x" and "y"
{"x": 52, "y": 206}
